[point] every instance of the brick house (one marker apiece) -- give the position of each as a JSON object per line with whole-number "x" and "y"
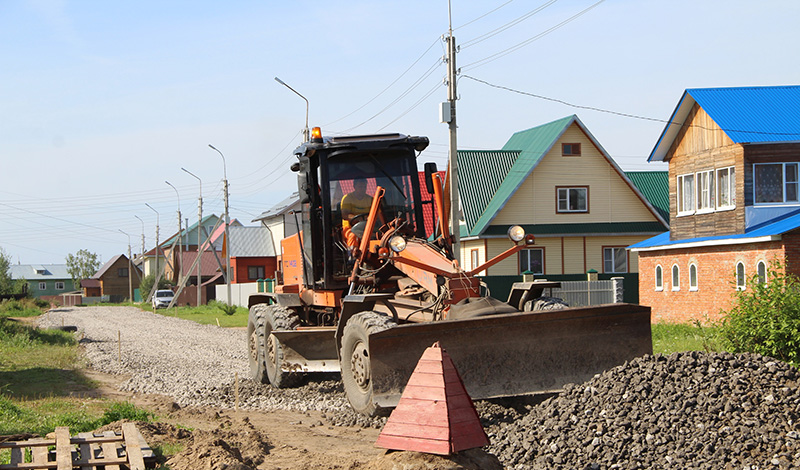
{"x": 734, "y": 156}
{"x": 559, "y": 183}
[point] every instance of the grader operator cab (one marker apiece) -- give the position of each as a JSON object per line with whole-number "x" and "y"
{"x": 363, "y": 289}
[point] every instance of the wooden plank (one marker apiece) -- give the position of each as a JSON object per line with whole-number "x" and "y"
{"x": 110, "y": 451}
{"x": 17, "y": 455}
{"x": 86, "y": 451}
{"x": 63, "y": 449}
{"x": 133, "y": 448}
{"x": 40, "y": 454}
{"x": 147, "y": 452}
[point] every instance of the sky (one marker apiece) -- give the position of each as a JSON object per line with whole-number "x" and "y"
{"x": 103, "y": 102}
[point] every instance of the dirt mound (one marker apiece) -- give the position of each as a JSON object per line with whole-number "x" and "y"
{"x": 241, "y": 449}
{"x": 472, "y": 459}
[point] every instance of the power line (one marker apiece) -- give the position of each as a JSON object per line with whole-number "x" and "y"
{"x": 482, "y": 16}
{"x": 506, "y": 26}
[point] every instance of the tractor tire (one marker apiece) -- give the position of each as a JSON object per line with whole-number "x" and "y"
{"x": 355, "y": 361}
{"x": 266, "y": 360}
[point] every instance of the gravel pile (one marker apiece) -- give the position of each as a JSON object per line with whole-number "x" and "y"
{"x": 683, "y": 411}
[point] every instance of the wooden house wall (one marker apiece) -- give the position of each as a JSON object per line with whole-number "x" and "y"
{"x": 700, "y": 146}
{"x": 610, "y": 197}
{"x": 113, "y": 284}
{"x": 765, "y": 153}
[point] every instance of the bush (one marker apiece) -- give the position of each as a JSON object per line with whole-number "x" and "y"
{"x": 765, "y": 318}
{"x": 147, "y": 284}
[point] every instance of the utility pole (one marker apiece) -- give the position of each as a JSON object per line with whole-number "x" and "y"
{"x": 180, "y": 234}
{"x": 142, "y": 221}
{"x": 199, "y": 240}
{"x": 130, "y": 273}
{"x": 452, "y": 171}
{"x": 228, "y": 275}
{"x": 157, "y": 217}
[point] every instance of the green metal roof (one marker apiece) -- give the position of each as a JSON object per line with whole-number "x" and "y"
{"x": 654, "y": 186}
{"x": 532, "y": 144}
{"x": 582, "y": 229}
{"x": 480, "y": 174}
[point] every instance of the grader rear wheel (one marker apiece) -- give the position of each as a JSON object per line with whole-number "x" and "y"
{"x": 355, "y": 360}
{"x": 266, "y": 352}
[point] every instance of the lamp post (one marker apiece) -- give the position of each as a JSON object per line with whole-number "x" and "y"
{"x": 305, "y": 131}
{"x": 227, "y": 223}
{"x": 130, "y": 282}
{"x": 157, "y": 217}
{"x": 199, "y": 241}
{"x": 180, "y": 233}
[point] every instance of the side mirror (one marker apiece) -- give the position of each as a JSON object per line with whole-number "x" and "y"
{"x": 430, "y": 169}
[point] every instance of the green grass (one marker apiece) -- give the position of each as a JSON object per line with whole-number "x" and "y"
{"x": 209, "y": 314}
{"x": 22, "y": 308}
{"x": 669, "y": 338}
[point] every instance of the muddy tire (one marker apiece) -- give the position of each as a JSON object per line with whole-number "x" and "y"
{"x": 355, "y": 361}
{"x": 265, "y": 351}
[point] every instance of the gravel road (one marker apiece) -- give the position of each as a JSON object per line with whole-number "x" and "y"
{"x": 685, "y": 410}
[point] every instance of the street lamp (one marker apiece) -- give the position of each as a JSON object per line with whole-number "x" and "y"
{"x": 130, "y": 282}
{"x": 180, "y": 233}
{"x": 199, "y": 224}
{"x": 305, "y": 131}
{"x": 227, "y": 223}
{"x": 142, "y": 221}
{"x": 157, "y": 217}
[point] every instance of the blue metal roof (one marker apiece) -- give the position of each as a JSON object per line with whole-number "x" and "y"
{"x": 769, "y": 229}
{"x": 745, "y": 114}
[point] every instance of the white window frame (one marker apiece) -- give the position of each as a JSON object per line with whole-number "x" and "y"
{"x": 526, "y": 252}
{"x": 676, "y": 278}
{"x": 612, "y": 260}
{"x": 59, "y": 285}
{"x": 730, "y": 187}
{"x": 474, "y": 258}
{"x": 42, "y": 286}
{"x": 761, "y": 270}
{"x": 567, "y": 190}
{"x": 706, "y": 197}
{"x": 693, "y": 281}
{"x": 741, "y": 279}
{"x": 682, "y": 196}
{"x": 784, "y": 184}
{"x": 659, "y": 278}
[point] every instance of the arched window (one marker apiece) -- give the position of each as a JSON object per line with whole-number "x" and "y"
{"x": 659, "y": 278}
{"x": 740, "y": 276}
{"x": 676, "y": 277}
{"x": 762, "y": 272}
{"x": 692, "y": 277}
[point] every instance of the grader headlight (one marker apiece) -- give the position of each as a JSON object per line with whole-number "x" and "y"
{"x": 397, "y": 243}
{"x": 516, "y": 233}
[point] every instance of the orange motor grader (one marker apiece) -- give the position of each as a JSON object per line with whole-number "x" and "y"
{"x": 369, "y": 309}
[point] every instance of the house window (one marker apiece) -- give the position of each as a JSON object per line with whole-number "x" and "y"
{"x": 573, "y": 199}
{"x": 726, "y": 188}
{"x": 676, "y": 278}
{"x": 762, "y": 272}
{"x": 531, "y": 260}
{"x": 685, "y": 194}
{"x": 692, "y": 277}
{"x": 122, "y": 272}
{"x": 571, "y": 150}
{"x": 59, "y": 285}
{"x": 473, "y": 254}
{"x": 615, "y": 260}
{"x": 255, "y": 272}
{"x": 740, "y": 277}
{"x": 775, "y": 183}
{"x": 705, "y": 191}
{"x": 659, "y": 278}
{"x": 42, "y": 286}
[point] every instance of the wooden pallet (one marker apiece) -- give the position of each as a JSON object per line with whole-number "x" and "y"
{"x": 87, "y": 451}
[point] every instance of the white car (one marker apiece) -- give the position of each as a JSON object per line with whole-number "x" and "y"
{"x": 162, "y": 298}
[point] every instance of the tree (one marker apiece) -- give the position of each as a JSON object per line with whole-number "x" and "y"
{"x": 82, "y": 265}
{"x": 7, "y": 285}
{"x": 147, "y": 283}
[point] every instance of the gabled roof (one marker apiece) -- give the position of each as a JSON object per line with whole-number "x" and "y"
{"x": 280, "y": 208}
{"x": 531, "y": 146}
{"x": 745, "y": 114}
{"x": 102, "y": 271}
{"x": 480, "y": 174}
{"x": 654, "y": 186}
{"x": 208, "y": 263}
{"x": 767, "y": 231}
{"x": 251, "y": 242}
{"x": 39, "y": 272}
{"x": 185, "y": 231}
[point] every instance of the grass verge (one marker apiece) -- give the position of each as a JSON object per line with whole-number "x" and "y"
{"x": 669, "y": 338}
{"x": 211, "y": 314}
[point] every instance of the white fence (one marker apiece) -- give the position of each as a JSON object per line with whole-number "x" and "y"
{"x": 239, "y": 293}
{"x": 585, "y": 293}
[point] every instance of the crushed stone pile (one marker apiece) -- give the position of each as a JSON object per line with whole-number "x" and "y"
{"x": 685, "y": 411}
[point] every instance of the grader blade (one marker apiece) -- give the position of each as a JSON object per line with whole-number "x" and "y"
{"x": 514, "y": 354}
